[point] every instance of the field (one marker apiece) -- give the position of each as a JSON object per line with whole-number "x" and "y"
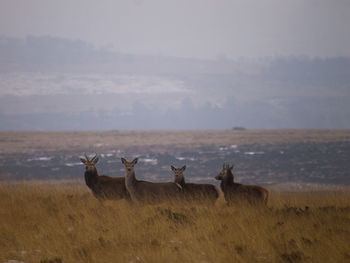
{"x": 47, "y": 222}
{"x": 48, "y": 214}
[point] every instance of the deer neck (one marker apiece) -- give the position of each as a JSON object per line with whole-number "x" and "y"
{"x": 91, "y": 178}
{"x": 181, "y": 182}
{"x": 227, "y": 181}
{"x": 130, "y": 183}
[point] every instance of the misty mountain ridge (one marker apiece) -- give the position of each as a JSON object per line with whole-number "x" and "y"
{"x": 47, "y": 53}
{"x": 49, "y": 83}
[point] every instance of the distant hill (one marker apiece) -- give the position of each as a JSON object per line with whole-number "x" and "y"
{"x": 55, "y": 83}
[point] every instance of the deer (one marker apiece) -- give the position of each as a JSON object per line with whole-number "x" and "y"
{"x": 148, "y": 192}
{"x": 195, "y": 192}
{"x": 102, "y": 186}
{"x": 235, "y": 193}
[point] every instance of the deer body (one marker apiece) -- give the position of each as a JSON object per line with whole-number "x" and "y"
{"x": 195, "y": 192}
{"x": 235, "y": 193}
{"x": 103, "y": 187}
{"x": 148, "y": 192}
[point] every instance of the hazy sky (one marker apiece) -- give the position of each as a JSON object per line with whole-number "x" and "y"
{"x": 189, "y": 28}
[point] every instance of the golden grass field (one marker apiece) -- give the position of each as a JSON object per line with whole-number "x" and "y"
{"x": 51, "y": 222}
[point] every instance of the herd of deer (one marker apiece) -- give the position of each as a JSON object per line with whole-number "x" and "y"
{"x": 138, "y": 191}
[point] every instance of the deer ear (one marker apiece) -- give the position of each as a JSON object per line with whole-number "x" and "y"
{"x": 83, "y": 160}
{"x": 173, "y": 168}
{"x": 231, "y": 167}
{"x": 123, "y": 160}
{"x": 96, "y": 160}
{"x": 183, "y": 168}
{"x": 135, "y": 161}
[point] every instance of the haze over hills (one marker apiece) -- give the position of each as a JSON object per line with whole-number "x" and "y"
{"x": 49, "y": 83}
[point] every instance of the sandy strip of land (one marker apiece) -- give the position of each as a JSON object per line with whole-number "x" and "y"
{"x": 27, "y": 142}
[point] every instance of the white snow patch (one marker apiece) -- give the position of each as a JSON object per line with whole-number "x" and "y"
{"x": 152, "y": 161}
{"x": 254, "y": 153}
{"x": 185, "y": 158}
{"x": 43, "y": 158}
{"x": 73, "y": 164}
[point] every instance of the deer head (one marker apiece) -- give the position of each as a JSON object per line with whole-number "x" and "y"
{"x": 90, "y": 164}
{"x": 129, "y": 166}
{"x": 178, "y": 173}
{"x": 225, "y": 173}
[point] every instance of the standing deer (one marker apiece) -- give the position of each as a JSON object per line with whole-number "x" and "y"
{"x": 102, "y": 186}
{"x": 148, "y": 192}
{"x": 234, "y": 192}
{"x": 195, "y": 192}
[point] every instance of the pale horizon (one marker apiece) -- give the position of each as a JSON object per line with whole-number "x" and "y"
{"x": 155, "y": 64}
{"x": 193, "y": 29}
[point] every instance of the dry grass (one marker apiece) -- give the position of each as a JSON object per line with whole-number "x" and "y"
{"x": 65, "y": 223}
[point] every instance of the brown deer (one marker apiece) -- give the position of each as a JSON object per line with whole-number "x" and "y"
{"x": 235, "y": 193}
{"x": 102, "y": 186}
{"x": 148, "y": 192}
{"x": 195, "y": 192}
